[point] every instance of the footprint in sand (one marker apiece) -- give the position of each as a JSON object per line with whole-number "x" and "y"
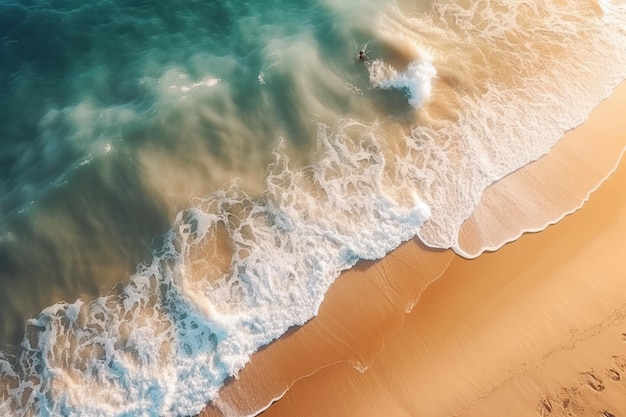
{"x": 544, "y": 407}
{"x": 624, "y": 337}
{"x": 613, "y": 375}
{"x": 620, "y": 363}
{"x": 569, "y": 401}
{"x": 592, "y": 381}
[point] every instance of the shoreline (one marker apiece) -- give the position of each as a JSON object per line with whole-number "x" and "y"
{"x": 350, "y": 349}
{"x": 366, "y": 295}
{"x": 571, "y": 156}
{"x": 544, "y": 338}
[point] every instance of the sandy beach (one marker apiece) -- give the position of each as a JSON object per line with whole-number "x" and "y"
{"x": 543, "y": 334}
{"x": 534, "y": 328}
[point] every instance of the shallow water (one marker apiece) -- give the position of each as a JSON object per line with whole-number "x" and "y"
{"x": 238, "y": 157}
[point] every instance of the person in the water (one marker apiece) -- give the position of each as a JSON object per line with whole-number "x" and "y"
{"x": 362, "y": 55}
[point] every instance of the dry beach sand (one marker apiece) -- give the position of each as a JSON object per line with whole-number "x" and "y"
{"x": 534, "y": 328}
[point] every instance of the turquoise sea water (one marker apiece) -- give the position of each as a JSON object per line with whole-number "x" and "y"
{"x": 181, "y": 182}
{"x": 115, "y": 113}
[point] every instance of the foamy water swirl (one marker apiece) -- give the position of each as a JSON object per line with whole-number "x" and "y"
{"x": 129, "y": 354}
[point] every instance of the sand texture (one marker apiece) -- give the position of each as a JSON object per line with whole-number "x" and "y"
{"x": 543, "y": 334}
{"x": 535, "y": 328}
{"x": 552, "y": 186}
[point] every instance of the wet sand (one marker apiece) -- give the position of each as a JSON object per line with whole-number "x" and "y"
{"x": 535, "y": 328}
{"x": 553, "y": 186}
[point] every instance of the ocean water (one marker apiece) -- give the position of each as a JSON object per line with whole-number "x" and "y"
{"x": 181, "y": 182}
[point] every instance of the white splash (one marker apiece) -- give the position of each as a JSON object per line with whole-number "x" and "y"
{"x": 416, "y": 80}
{"x": 605, "y": 6}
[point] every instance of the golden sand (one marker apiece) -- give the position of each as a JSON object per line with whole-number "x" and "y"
{"x": 536, "y": 328}
{"x": 364, "y": 308}
{"x": 554, "y": 185}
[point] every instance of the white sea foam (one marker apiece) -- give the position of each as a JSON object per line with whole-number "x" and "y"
{"x": 605, "y": 6}
{"x": 516, "y": 107}
{"x": 416, "y": 80}
{"x": 127, "y": 354}
{"x": 177, "y": 82}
